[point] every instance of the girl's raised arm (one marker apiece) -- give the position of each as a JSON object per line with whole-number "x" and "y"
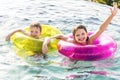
{"x": 104, "y": 25}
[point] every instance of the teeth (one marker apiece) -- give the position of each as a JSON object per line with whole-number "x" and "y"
{"x": 81, "y": 39}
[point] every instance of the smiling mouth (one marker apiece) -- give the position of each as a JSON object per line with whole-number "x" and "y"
{"x": 81, "y": 39}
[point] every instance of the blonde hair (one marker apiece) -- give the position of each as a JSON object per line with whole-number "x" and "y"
{"x": 37, "y": 25}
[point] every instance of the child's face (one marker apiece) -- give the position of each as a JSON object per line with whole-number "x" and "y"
{"x": 81, "y": 36}
{"x": 35, "y": 32}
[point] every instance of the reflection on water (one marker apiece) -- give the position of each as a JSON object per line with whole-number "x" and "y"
{"x": 64, "y": 15}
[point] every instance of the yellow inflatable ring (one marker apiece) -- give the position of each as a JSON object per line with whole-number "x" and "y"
{"x": 27, "y": 43}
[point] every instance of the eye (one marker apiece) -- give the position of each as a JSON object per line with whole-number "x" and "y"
{"x": 31, "y": 31}
{"x": 77, "y": 35}
{"x": 83, "y": 33}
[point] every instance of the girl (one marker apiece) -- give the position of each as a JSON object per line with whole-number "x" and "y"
{"x": 80, "y": 33}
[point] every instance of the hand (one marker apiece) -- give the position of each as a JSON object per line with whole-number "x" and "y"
{"x": 45, "y": 45}
{"x": 9, "y": 35}
{"x": 114, "y": 9}
{"x": 8, "y": 38}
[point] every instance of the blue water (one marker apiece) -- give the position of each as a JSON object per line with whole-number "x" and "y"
{"x": 64, "y": 15}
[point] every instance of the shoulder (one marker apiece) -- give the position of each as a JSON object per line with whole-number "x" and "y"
{"x": 90, "y": 41}
{"x": 71, "y": 40}
{"x": 25, "y": 32}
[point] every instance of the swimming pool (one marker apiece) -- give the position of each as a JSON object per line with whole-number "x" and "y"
{"x": 63, "y": 14}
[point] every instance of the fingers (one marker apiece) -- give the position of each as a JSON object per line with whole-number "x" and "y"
{"x": 114, "y": 9}
{"x": 7, "y": 38}
{"x": 114, "y": 3}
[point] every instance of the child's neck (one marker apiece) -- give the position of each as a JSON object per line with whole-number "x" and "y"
{"x": 35, "y": 37}
{"x": 85, "y": 43}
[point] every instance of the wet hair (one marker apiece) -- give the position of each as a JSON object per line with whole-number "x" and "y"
{"x": 37, "y": 25}
{"x": 80, "y": 27}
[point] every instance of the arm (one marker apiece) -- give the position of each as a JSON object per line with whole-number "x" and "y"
{"x": 60, "y": 36}
{"x": 47, "y": 41}
{"x": 10, "y": 34}
{"x": 114, "y": 10}
{"x": 45, "y": 45}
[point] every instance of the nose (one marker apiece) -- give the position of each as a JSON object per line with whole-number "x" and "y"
{"x": 33, "y": 34}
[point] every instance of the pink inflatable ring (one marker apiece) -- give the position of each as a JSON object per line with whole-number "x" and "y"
{"x": 104, "y": 46}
